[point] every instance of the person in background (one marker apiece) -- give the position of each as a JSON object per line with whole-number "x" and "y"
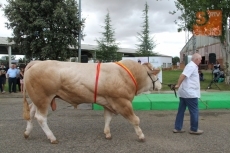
{"x": 178, "y": 65}
{"x": 201, "y": 75}
{"x": 18, "y": 80}
{"x": 12, "y": 74}
{"x": 189, "y": 92}
{"x": 216, "y": 70}
{"x": 3, "y": 70}
{"x": 21, "y": 78}
{"x": 139, "y": 61}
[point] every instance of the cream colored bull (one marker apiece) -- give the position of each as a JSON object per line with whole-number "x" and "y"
{"x": 110, "y": 85}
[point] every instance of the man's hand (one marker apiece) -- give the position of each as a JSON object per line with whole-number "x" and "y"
{"x": 176, "y": 86}
{"x": 172, "y": 86}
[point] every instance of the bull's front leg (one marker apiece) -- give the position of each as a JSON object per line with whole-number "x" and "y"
{"x": 136, "y": 121}
{"x": 108, "y": 118}
{"x": 127, "y": 112}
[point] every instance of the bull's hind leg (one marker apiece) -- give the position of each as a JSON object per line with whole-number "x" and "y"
{"x": 42, "y": 120}
{"x": 126, "y": 111}
{"x": 29, "y": 126}
{"x": 108, "y": 118}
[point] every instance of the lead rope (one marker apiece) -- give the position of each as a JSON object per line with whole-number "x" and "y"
{"x": 96, "y": 81}
{"x": 130, "y": 74}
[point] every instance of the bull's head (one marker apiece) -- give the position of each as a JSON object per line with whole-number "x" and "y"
{"x": 152, "y": 72}
{"x": 151, "y": 69}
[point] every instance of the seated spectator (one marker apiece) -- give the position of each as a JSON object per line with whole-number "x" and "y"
{"x": 216, "y": 71}
{"x": 201, "y": 75}
{"x": 220, "y": 77}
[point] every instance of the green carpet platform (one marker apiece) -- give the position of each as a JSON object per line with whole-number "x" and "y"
{"x": 168, "y": 101}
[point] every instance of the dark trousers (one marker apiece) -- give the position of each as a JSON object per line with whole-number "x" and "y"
{"x": 12, "y": 84}
{"x": 192, "y": 104}
{"x": 1, "y": 81}
{"x": 19, "y": 84}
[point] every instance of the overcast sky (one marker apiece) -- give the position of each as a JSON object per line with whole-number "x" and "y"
{"x": 127, "y": 19}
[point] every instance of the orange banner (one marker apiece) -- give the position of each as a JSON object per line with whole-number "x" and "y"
{"x": 210, "y": 26}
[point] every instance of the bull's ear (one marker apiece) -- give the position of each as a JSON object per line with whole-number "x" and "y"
{"x": 148, "y": 65}
{"x": 156, "y": 71}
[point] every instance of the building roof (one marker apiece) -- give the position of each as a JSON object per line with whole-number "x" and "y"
{"x": 200, "y": 41}
{"x": 94, "y": 47}
{"x": 4, "y": 41}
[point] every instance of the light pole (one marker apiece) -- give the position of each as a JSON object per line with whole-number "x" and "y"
{"x": 79, "y": 34}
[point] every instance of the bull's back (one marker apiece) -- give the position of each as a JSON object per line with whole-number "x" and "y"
{"x": 76, "y": 81}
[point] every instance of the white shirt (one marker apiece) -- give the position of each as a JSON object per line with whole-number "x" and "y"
{"x": 12, "y": 73}
{"x": 190, "y": 86}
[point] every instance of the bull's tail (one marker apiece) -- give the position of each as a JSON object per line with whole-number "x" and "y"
{"x": 26, "y": 108}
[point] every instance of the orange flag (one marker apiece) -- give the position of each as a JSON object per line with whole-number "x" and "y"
{"x": 208, "y": 26}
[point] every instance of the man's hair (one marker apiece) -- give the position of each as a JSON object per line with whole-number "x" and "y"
{"x": 196, "y": 56}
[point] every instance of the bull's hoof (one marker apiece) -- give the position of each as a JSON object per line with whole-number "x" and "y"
{"x": 141, "y": 140}
{"x": 26, "y": 136}
{"x": 108, "y": 138}
{"x": 108, "y": 135}
{"x": 55, "y": 142}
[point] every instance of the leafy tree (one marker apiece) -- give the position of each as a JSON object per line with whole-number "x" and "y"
{"x": 44, "y": 29}
{"x": 107, "y": 46}
{"x": 119, "y": 56}
{"x": 175, "y": 60}
{"x": 13, "y": 57}
{"x": 6, "y": 60}
{"x": 22, "y": 60}
{"x": 146, "y": 46}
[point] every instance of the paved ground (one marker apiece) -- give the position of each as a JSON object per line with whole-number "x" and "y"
{"x": 82, "y": 131}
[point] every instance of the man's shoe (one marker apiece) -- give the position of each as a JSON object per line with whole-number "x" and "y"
{"x": 198, "y": 132}
{"x": 3, "y": 92}
{"x": 178, "y": 131}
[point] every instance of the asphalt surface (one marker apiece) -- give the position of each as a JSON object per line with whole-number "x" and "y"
{"x": 81, "y": 131}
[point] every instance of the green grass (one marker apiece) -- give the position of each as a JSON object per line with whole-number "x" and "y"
{"x": 7, "y": 89}
{"x": 6, "y": 86}
{"x": 171, "y": 77}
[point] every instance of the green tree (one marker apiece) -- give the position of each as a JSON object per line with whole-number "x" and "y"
{"x": 6, "y": 60}
{"x": 44, "y": 29}
{"x": 107, "y": 46}
{"x": 22, "y": 60}
{"x": 13, "y": 57}
{"x": 147, "y": 44}
{"x": 175, "y": 60}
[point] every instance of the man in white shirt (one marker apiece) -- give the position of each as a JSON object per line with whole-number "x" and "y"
{"x": 189, "y": 92}
{"x": 12, "y": 74}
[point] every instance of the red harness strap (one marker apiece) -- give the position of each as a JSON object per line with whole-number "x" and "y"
{"x": 96, "y": 82}
{"x": 130, "y": 74}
